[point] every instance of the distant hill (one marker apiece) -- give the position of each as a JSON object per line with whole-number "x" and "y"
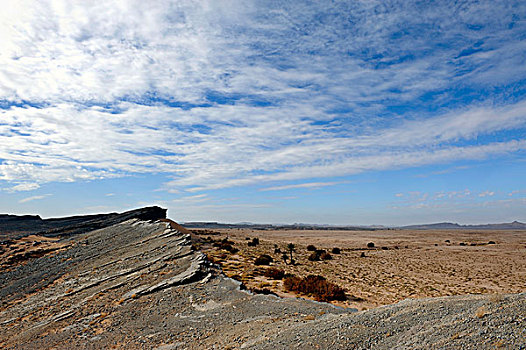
{"x": 515, "y": 225}
{"x": 247, "y": 225}
{"x": 16, "y": 226}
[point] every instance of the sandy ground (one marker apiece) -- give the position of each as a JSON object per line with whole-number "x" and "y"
{"x": 403, "y": 264}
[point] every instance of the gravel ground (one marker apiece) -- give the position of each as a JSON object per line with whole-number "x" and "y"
{"x": 140, "y": 285}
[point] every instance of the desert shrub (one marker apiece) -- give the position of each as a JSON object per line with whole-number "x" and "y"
{"x": 311, "y": 248}
{"x": 292, "y": 283}
{"x": 447, "y": 241}
{"x": 264, "y": 291}
{"x": 277, "y": 251}
{"x": 336, "y": 250}
{"x": 254, "y": 242}
{"x": 315, "y": 286}
{"x": 362, "y": 255}
{"x": 325, "y": 256}
{"x": 385, "y": 248}
{"x": 274, "y": 273}
{"x": 370, "y": 245}
{"x": 491, "y": 242}
{"x": 462, "y": 243}
{"x": 263, "y": 260}
{"x": 226, "y": 241}
{"x": 314, "y": 257}
{"x": 226, "y": 246}
{"x": 211, "y": 259}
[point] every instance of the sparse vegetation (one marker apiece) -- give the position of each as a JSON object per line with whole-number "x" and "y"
{"x": 263, "y": 260}
{"x": 314, "y": 257}
{"x": 320, "y": 254}
{"x": 254, "y": 242}
{"x": 228, "y": 247}
{"x": 336, "y": 250}
{"x": 325, "y": 256}
{"x": 315, "y": 286}
{"x": 481, "y": 312}
{"x": 274, "y": 273}
{"x": 370, "y": 245}
{"x": 311, "y": 248}
{"x": 264, "y": 291}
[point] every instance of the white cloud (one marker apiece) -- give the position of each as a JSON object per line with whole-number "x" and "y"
{"x": 23, "y": 187}
{"x": 487, "y": 194}
{"x": 111, "y": 89}
{"x": 303, "y": 185}
{"x": 33, "y": 198}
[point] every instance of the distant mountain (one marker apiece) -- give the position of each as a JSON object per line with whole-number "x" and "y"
{"x": 248, "y": 225}
{"x": 515, "y": 225}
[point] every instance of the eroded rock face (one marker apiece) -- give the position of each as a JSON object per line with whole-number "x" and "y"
{"x": 15, "y": 226}
{"x": 136, "y": 284}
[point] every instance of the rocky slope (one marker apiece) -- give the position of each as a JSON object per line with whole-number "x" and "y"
{"x": 136, "y": 283}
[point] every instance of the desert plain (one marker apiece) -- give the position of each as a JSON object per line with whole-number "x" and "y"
{"x": 402, "y": 264}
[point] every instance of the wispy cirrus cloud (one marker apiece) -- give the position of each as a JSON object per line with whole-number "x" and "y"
{"x": 217, "y": 95}
{"x": 302, "y": 185}
{"x": 33, "y": 198}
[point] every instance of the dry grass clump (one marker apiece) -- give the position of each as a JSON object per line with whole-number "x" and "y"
{"x": 254, "y": 242}
{"x": 325, "y": 256}
{"x": 228, "y": 247}
{"x": 264, "y": 291}
{"x": 481, "y": 312}
{"x": 263, "y": 260}
{"x": 315, "y": 286}
{"x": 320, "y": 254}
{"x": 274, "y": 273}
{"x": 314, "y": 257}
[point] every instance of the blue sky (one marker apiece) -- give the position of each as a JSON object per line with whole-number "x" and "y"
{"x": 337, "y": 112}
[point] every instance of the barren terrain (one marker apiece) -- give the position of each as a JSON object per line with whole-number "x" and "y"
{"x": 403, "y": 263}
{"x": 136, "y": 281}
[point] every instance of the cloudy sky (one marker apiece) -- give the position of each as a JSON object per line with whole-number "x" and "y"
{"x": 339, "y": 112}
